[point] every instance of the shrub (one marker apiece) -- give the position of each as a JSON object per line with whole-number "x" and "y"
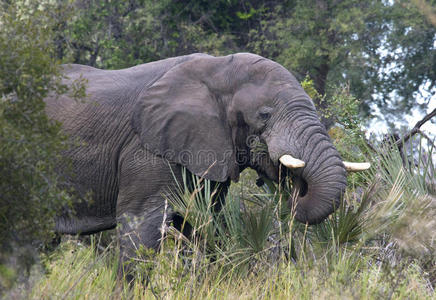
{"x": 378, "y": 244}
{"x": 30, "y": 143}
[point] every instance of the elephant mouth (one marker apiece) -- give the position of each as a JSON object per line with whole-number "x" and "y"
{"x": 311, "y": 202}
{"x": 300, "y": 186}
{"x": 317, "y": 185}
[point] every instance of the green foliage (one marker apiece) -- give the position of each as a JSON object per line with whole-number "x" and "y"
{"x": 342, "y": 108}
{"x": 78, "y": 269}
{"x": 309, "y": 88}
{"x": 406, "y": 198}
{"x": 377, "y": 47}
{"x": 29, "y": 142}
{"x": 378, "y": 244}
{"x": 232, "y": 234}
{"x": 348, "y": 276}
{"x": 321, "y": 38}
{"x": 348, "y": 133}
{"x": 383, "y": 50}
{"x": 409, "y": 59}
{"x": 119, "y": 34}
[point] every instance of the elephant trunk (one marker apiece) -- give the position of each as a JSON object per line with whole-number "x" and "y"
{"x": 320, "y": 181}
{"x": 320, "y": 184}
{"x": 318, "y": 188}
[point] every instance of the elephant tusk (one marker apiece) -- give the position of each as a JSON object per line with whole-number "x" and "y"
{"x": 291, "y": 162}
{"x": 356, "y": 167}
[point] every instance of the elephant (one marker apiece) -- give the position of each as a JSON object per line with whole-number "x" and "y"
{"x": 137, "y": 128}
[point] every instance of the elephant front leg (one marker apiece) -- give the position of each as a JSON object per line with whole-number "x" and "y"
{"x": 142, "y": 209}
{"x": 138, "y": 232}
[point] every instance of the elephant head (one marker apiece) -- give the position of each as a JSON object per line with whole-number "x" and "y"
{"x": 201, "y": 112}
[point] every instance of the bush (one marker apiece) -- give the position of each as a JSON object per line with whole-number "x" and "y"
{"x": 30, "y": 143}
{"x": 379, "y": 244}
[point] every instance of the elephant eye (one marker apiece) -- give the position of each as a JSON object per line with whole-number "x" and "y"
{"x": 265, "y": 113}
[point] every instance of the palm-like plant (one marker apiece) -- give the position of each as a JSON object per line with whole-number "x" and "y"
{"x": 396, "y": 207}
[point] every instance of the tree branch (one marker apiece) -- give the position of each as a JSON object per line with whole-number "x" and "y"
{"x": 427, "y": 138}
{"x": 415, "y": 129}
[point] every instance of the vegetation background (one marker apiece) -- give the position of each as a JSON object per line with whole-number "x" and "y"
{"x": 356, "y": 59}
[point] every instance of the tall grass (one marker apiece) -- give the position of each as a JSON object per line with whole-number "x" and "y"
{"x": 380, "y": 243}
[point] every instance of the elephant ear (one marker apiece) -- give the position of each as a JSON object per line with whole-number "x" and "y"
{"x": 179, "y": 118}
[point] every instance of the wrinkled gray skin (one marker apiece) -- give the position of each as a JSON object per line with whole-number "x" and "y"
{"x": 138, "y": 126}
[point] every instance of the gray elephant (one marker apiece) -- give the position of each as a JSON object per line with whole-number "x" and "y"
{"x": 138, "y": 127}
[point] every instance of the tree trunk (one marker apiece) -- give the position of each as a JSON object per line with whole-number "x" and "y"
{"x": 320, "y": 81}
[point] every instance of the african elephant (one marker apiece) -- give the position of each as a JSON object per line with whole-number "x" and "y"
{"x": 137, "y": 127}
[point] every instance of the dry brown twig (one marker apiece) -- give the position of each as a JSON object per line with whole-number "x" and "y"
{"x": 416, "y": 129}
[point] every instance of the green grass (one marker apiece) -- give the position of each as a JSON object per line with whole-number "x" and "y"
{"x": 379, "y": 244}
{"x": 79, "y": 272}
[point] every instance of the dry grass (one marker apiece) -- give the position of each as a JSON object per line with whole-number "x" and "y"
{"x": 380, "y": 244}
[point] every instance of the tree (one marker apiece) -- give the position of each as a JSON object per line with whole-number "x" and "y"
{"x": 30, "y": 143}
{"x": 408, "y": 66}
{"x": 117, "y": 34}
{"x": 337, "y": 42}
{"x": 384, "y": 51}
